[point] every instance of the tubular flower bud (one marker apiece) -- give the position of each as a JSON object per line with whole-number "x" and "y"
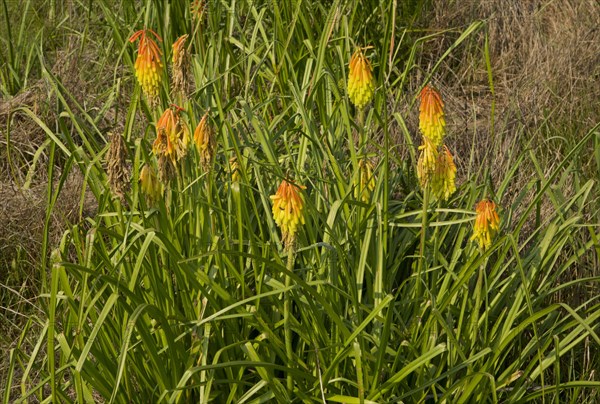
{"x": 234, "y": 169}
{"x": 427, "y": 162}
{"x": 487, "y": 223}
{"x": 150, "y": 185}
{"x": 431, "y": 115}
{"x": 287, "y": 210}
{"x": 360, "y": 80}
{"x": 148, "y": 66}
{"x": 364, "y": 183}
{"x": 180, "y": 65}
{"x": 204, "y": 137}
{"x": 172, "y": 135}
{"x": 444, "y": 178}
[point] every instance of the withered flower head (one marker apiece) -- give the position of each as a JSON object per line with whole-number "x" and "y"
{"x": 172, "y": 135}
{"x": 181, "y": 63}
{"x": 204, "y": 137}
{"x": 117, "y": 168}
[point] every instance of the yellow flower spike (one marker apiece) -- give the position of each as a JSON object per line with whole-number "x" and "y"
{"x": 360, "y": 80}
{"x": 180, "y": 65}
{"x": 204, "y": 137}
{"x": 172, "y": 135}
{"x": 444, "y": 177}
{"x": 150, "y": 185}
{"x": 148, "y": 66}
{"x": 288, "y": 204}
{"x": 431, "y": 115}
{"x": 364, "y": 182}
{"x": 487, "y": 223}
{"x": 427, "y": 162}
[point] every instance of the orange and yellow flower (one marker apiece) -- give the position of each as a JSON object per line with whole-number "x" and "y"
{"x": 444, "y": 177}
{"x": 172, "y": 135}
{"x": 287, "y": 210}
{"x": 148, "y": 66}
{"x": 204, "y": 138}
{"x": 360, "y": 80}
{"x": 431, "y": 115}
{"x": 427, "y": 162}
{"x": 487, "y": 223}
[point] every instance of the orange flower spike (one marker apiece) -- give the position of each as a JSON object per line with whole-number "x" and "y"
{"x": 360, "y": 80}
{"x": 487, "y": 223}
{"x": 148, "y": 66}
{"x": 431, "y": 115}
{"x": 287, "y": 210}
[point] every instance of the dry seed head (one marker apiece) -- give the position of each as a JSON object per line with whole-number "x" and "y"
{"x": 180, "y": 66}
{"x": 364, "y": 182}
{"x": 148, "y": 66}
{"x": 427, "y": 162}
{"x": 360, "y": 80}
{"x": 431, "y": 115}
{"x": 198, "y": 8}
{"x": 487, "y": 223}
{"x": 150, "y": 185}
{"x": 288, "y": 204}
{"x": 204, "y": 137}
{"x": 172, "y": 135}
{"x": 444, "y": 179}
{"x": 116, "y": 164}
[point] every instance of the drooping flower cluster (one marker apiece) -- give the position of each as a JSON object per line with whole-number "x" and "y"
{"x": 364, "y": 182}
{"x": 360, "y": 80}
{"x": 444, "y": 178}
{"x": 172, "y": 136}
{"x": 487, "y": 223}
{"x": 148, "y": 65}
{"x": 435, "y": 167}
{"x": 287, "y": 210}
{"x": 150, "y": 185}
{"x": 180, "y": 67}
{"x": 204, "y": 137}
{"x": 431, "y": 115}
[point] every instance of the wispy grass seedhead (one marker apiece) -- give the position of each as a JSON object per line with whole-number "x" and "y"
{"x": 431, "y": 115}
{"x": 361, "y": 84}
{"x": 148, "y": 65}
{"x": 487, "y": 223}
{"x": 288, "y": 204}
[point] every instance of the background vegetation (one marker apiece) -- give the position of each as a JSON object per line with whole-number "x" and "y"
{"x": 191, "y": 299}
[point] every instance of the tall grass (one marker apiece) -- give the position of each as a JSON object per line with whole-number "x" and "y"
{"x": 193, "y": 298}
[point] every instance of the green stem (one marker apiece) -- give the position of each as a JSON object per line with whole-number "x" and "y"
{"x": 423, "y": 237}
{"x": 286, "y": 312}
